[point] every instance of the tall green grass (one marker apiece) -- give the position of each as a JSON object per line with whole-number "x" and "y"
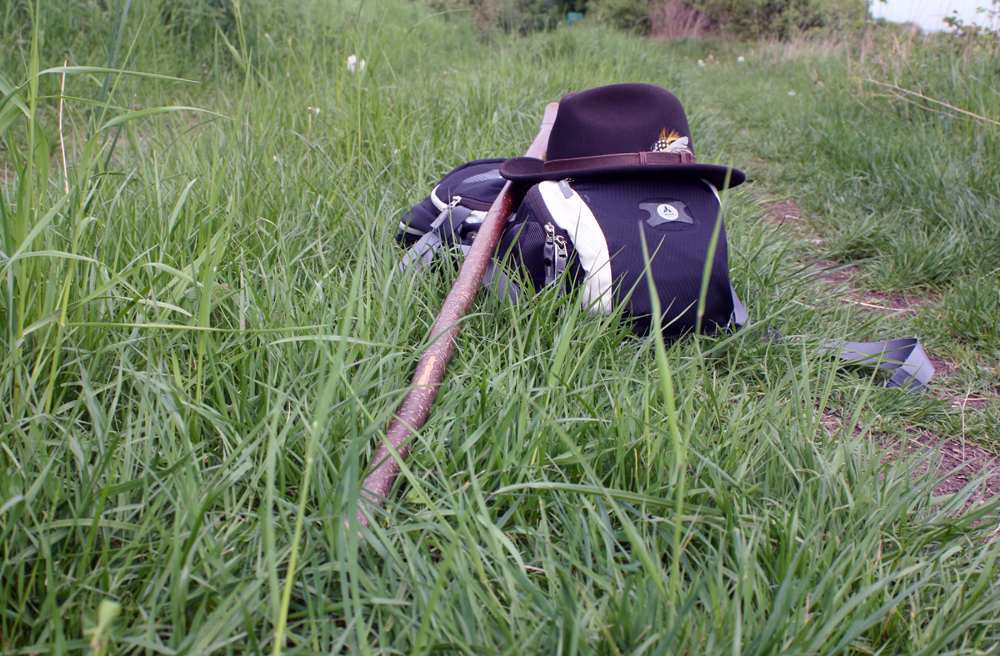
{"x": 203, "y": 342}
{"x": 892, "y": 160}
{"x": 896, "y": 158}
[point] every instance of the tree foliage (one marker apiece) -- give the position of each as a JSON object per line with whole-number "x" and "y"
{"x": 744, "y": 18}
{"x": 741, "y": 18}
{"x": 781, "y": 18}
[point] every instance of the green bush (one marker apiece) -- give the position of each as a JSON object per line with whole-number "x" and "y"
{"x": 628, "y": 15}
{"x": 743, "y": 18}
{"x": 781, "y": 18}
{"x": 512, "y": 16}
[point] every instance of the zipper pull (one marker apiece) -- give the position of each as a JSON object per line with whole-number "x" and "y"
{"x": 561, "y": 248}
{"x": 445, "y": 213}
{"x": 549, "y": 254}
{"x": 562, "y": 255}
{"x": 566, "y": 190}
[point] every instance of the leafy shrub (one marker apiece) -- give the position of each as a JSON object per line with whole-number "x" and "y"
{"x": 629, "y": 15}
{"x": 669, "y": 18}
{"x": 986, "y": 27}
{"x": 512, "y": 16}
{"x": 773, "y": 18}
{"x": 743, "y": 18}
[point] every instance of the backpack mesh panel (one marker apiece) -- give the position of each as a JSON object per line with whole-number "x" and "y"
{"x": 522, "y": 245}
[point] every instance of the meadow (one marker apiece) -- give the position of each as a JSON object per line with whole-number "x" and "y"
{"x": 203, "y": 342}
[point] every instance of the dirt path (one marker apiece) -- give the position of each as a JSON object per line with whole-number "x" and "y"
{"x": 956, "y": 461}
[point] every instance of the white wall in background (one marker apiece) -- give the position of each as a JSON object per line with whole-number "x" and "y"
{"x": 928, "y": 13}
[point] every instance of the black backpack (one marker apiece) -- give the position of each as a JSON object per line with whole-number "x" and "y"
{"x": 596, "y": 230}
{"x": 590, "y": 234}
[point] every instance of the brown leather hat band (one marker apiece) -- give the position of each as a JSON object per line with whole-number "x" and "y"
{"x": 619, "y": 159}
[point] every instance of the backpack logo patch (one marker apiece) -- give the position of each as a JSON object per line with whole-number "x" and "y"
{"x": 666, "y": 212}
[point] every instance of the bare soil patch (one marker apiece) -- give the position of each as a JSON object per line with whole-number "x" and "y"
{"x": 843, "y": 285}
{"x": 784, "y": 211}
{"x": 956, "y": 461}
{"x": 843, "y": 281}
{"x": 972, "y": 401}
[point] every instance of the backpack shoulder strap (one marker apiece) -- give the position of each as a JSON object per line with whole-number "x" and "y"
{"x": 913, "y": 369}
{"x": 444, "y": 233}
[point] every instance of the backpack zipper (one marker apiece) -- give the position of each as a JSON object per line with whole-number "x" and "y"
{"x": 549, "y": 253}
{"x": 443, "y": 216}
{"x": 562, "y": 255}
{"x": 555, "y": 254}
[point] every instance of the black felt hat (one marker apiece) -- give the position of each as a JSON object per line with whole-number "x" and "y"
{"x": 619, "y": 130}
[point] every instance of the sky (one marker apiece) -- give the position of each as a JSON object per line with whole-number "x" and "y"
{"x": 928, "y": 13}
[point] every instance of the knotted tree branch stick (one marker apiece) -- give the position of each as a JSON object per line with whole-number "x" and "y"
{"x": 416, "y": 407}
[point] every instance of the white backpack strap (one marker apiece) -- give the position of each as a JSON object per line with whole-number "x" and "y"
{"x": 572, "y": 215}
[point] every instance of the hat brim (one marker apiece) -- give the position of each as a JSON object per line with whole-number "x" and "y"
{"x": 531, "y": 170}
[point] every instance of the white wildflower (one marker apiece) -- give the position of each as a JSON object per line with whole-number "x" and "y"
{"x": 701, "y": 62}
{"x": 741, "y": 59}
{"x": 353, "y": 65}
{"x": 791, "y": 93}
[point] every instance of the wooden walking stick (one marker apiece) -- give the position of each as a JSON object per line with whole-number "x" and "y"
{"x": 416, "y": 407}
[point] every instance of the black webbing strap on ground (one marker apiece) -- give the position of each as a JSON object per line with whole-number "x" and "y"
{"x": 740, "y": 315}
{"x": 913, "y": 369}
